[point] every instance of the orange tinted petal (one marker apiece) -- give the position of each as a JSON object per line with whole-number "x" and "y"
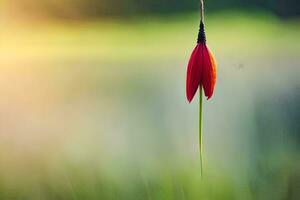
{"x": 209, "y": 73}
{"x": 214, "y": 69}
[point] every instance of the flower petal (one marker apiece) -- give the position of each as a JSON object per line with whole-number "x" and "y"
{"x": 214, "y": 70}
{"x": 209, "y": 72}
{"x": 194, "y": 72}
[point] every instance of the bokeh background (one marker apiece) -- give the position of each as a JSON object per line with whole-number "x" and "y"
{"x": 92, "y": 100}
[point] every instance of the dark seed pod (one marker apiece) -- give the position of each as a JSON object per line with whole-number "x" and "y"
{"x": 201, "y": 34}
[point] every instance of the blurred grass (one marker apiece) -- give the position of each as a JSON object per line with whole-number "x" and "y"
{"x": 96, "y": 110}
{"x": 141, "y": 38}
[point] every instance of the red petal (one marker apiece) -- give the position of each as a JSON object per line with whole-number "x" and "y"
{"x": 194, "y": 72}
{"x": 209, "y": 72}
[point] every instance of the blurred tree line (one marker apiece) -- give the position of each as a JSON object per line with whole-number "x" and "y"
{"x": 97, "y": 8}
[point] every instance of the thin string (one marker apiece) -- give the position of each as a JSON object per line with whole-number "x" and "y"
{"x": 202, "y": 10}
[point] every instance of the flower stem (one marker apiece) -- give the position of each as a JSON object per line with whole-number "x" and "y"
{"x": 200, "y": 130}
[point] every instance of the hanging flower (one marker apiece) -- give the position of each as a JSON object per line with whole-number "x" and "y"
{"x": 201, "y": 73}
{"x": 201, "y": 70}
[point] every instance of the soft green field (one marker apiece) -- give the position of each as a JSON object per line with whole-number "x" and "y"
{"x": 97, "y": 110}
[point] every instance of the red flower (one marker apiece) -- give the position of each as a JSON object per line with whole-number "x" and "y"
{"x": 201, "y": 70}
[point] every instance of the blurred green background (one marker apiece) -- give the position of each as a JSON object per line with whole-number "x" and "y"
{"x": 93, "y": 106}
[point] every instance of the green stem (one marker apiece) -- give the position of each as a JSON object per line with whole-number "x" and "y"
{"x": 200, "y": 130}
